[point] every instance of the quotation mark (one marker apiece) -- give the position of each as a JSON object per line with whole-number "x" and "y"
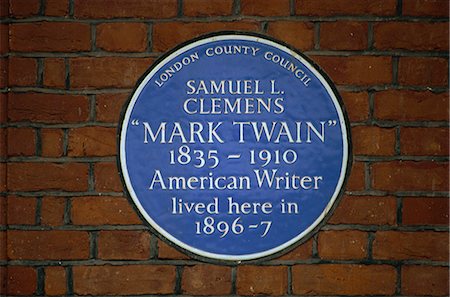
{"x": 135, "y": 122}
{"x": 332, "y": 123}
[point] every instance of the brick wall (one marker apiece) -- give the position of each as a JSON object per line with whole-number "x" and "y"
{"x": 67, "y": 66}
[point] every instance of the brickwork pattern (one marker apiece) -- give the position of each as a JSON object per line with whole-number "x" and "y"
{"x": 67, "y": 67}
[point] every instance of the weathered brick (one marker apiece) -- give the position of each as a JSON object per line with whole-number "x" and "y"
{"x": 342, "y": 245}
{"x": 424, "y": 141}
{"x": 344, "y": 35}
{"x": 109, "y": 106}
{"x": 397, "y": 245}
{"x": 123, "y": 245}
{"x": 103, "y": 211}
{"x": 261, "y": 280}
{"x": 54, "y": 72}
{"x": 47, "y": 176}
{"x": 21, "y": 142}
{"x": 411, "y": 36}
{"x": 302, "y": 252}
{"x": 4, "y": 38}
{"x": 55, "y": 280}
{"x": 122, "y": 37}
{"x": 52, "y": 141}
{"x": 357, "y": 70}
{"x": 371, "y": 140}
{"x": 107, "y": 72}
{"x": 21, "y": 280}
{"x": 3, "y": 108}
{"x": 3, "y": 72}
{"x": 405, "y": 105}
{"x": 410, "y": 176}
{"x": 343, "y": 279}
{"x": 206, "y": 280}
{"x": 21, "y": 211}
{"x": 47, "y": 108}
{"x": 92, "y": 141}
{"x": 265, "y": 7}
{"x": 56, "y": 7}
{"x": 198, "y": 8}
{"x": 345, "y": 7}
{"x": 167, "y": 35}
{"x": 109, "y": 9}
{"x": 421, "y": 71}
{"x": 22, "y": 71}
{"x": 50, "y": 37}
{"x": 52, "y": 211}
{"x": 165, "y": 251}
{"x": 357, "y": 105}
{"x": 425, "y": 280}
{"x": 365, "y": 210}
{"x": 123, "y": 280}
{"x": 436, "y": 8}
{"x": 356, "y": 180}
{"x": 24, "y": 8}
{"x": 107, "y": 178}
{"x": 298, "y": 34}
{"x": 425, "y": 211}
{"x": 48, "y": 245}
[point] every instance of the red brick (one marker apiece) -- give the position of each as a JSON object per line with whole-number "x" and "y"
{"x": 22, "y": 71}
{"x": 125, "y": 8}
{"x": 24, "y": 8}
{"x": 55, "y": 280}
{"x": 92, "y": 141}
{"x": 261, "y": 280}
{"x": 405, "y": 105}
{"x": 302, "y": 252}
{"x": 365, "y": 210}
{"x": 371, "y": 140}
{"x": 206, "y": 280}
{"x": 423, "y": 71}
{"x": 342, "y": 245}
{"x": 4, "y": 8}
{"x": 437, "y": 8}
{"x": 54, "y": 72}
{"x": 265, "y": 7}
{"x": 3, "y": 255}
{"x": 3, "y": 107}
{"x": 56, "y": 7}
{"x": 410, "y": 176}
{"x": 3, "y": 269}
{"x": 47, "y": 108}
{"x": 122, "y": 37}
{"x": 298, "y": 34}
{"x": 345, "y": 7}
{"x": 165, "y": 251}
{"x": 425, "y": 280}
{"x": 343, "y": 35}
{"x": 356, "y": 181}
{"x": 21, "y": 280}
{"x": 425, "y": 211}
{"x": 107, "y": 178}
{"x": 167, "y": 35}
{"x": 343, "y": 279}
{"x": 198, "y": 8}
{"x": 107, "y": 72}
{"x": 123, "y": 280}
{"x": 124, "y": 245}
{"x": 52, "y": 211}
{"x": 52, "y": 142}
{"x": 357, "y": 105}
{"x": 3, "y": 72}
{"x": 109, "y": 106}
{"x": 4, "y": 38}
{"x": 411, "y": 36}
{"x": 21, "y": 211}
{"x": 48, "y": 245}
{"x": 47, "y": 176}
{"x": 50, "y": 37}
{"x": 396, "y": 245}
{"x": 357, "y": 70}
{"x": 3, "y": 139}
{"x": 424, "y": 141}
{"x": 3, "y": 187}
{"x": 103, "y": 211}
{"x": 21, "y": 142}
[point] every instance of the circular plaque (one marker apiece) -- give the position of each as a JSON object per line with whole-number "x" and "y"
{"x": 234, "y": 147}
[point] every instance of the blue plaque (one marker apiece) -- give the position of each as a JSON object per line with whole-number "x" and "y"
{"x": 234, "y": 147}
